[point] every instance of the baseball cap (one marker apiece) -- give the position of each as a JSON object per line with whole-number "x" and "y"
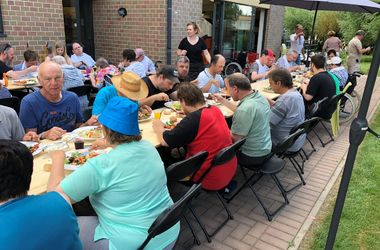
{"x": 334, "y": 60}
{"x": 269, "y": 53}
{"x": 170, "y": 73}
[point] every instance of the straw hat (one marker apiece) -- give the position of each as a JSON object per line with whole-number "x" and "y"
{"x": 130, "y": 85}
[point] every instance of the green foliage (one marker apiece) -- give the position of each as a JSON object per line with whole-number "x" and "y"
{"x": 294, "y": 16}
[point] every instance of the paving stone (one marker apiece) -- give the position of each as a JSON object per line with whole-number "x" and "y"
{"x": 240, "y": 231}
{"x": 236, "y": 244}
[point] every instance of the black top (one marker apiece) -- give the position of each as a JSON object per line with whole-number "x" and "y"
{"x": 153, "y": 90}
{"x": 194, "y": 52}
{"x": 3, "y": 69}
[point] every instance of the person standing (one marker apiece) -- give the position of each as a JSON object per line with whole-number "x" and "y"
{"x": 194, "y": 47}
{"x": 332, "y": 42}
{"x": 297, "y": 41}
{"x": 355, "y": 51}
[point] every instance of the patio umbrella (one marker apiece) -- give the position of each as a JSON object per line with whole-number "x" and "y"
{"x": 359, "y": 126}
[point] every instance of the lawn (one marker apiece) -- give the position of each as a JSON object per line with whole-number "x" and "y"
{"x": 365, "y": 64}
{"x": 360, "y": 222}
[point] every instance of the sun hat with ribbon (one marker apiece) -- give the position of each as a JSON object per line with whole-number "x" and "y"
{"x": 121, "y": 115}
{"x": 130, "y": 85}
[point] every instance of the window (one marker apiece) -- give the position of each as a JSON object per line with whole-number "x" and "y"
{"x": 2, "y": 34}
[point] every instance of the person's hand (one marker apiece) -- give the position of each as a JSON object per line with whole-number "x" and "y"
{"x": 121, "y": 65}
{"x": 368, "y": 49}
{"x": 93, "y": 121}
{"x": 99, "y": 144}
{"x": 146, "y": 109}
{"x": 54, "y": 133}
{"x": 183, "y": 52}
{"x": 216, "y": 83}
{"x": 32, "y": 68}
{"x": 161, "y": 97}
{"x": 158, "y": 126}
{"x": 219, "y": 98}
{"x": 30, "y": 136}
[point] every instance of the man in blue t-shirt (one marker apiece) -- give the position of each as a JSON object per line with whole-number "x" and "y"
{"x": 44, "y": 221}
{"x": 51, "y": 112}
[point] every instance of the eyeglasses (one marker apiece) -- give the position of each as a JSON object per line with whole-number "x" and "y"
{"x": 77, "y": 48}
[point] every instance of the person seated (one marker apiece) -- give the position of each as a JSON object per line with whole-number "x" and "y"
{"x": 126, "y": 186}
{"x": 150, "y": 69}
{"x": 321, "y": 85}
{"x": 251, "y": 120}
{"x": 260, "y": 70}
{"x": 288, "y": 61}
{"x": 30, "y": 59}
{"x": 6, "y": 58}
{"x": 4, "y": 92}
{"x": 51, "y": 111}
{"x": 72, "y": 78}
{"x": 331, "y": 53}
{"x": 60, "y": 50}
{"x": 129, "y": 63}
{"x": 336, "y": 67}
{"x": 31, "y": 221}
{"x": 160, "y": 87}
{"x": 204, "y": 128}
{"x": 103, "y": 68}
{"x": 287, "y": 111}
{"x": 182, "y": 65}
{"x": 11, "y": 127}
{"x": 80, "y": 59}
{"x": 210, "y": 79}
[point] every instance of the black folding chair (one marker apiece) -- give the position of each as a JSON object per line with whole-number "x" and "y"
{"x": 12, "y": 102}
{"x": 84, "y": 90}
{"x": 171, "y": 215}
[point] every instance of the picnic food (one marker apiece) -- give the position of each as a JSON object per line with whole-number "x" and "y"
{"x": 79, "y": 158}
{"x": 143, "y": 114}
{"x": 94, "y": 133}
{"x": 177, "y": 106}
{"x": 173, "y": 119}
{"x": 167, "y": 112}
{"x": 33, "y": 148}
{"x": 170, "y": 125}
{"x": 268, "y": 89}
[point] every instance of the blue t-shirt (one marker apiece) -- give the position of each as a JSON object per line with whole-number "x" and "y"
{"x": 127, "y": 189}
{"x": 87, "y": 59}
{"x": 102, "y": 98}
{"x": 138, "y": 68}
{"x": 39, "y": 222}
{"x": 37, "y": 112}
{"x": 204, "y": 77}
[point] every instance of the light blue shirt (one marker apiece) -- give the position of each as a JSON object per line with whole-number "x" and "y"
{"x": 87, "y": 59}
{"x": 204, "y": 77}
{"x": 284, "y": 63}
{"x": 127, "y": 189}
{"x": 74, "y": 78}
{"x": 138, "y": 68}
{"x": 149, "y": 65}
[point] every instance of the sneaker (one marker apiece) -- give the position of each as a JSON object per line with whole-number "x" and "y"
{"x": 229, "y": 188}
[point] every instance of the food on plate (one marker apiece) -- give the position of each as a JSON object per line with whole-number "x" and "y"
{"x": 268, "y": 89}
{"x": 144, "y": 114}
{"x": 173, "y": 119}
{"x": 167, "y": 112}
{"x": 177, "y": 106}
{"x": 34, "y": 148}
{"x": 170, "y": 125}
{"x": 210, "y": 97}
{"x": 20, "y": 81}
{"x": 79, "y": 158}
{"x": 94, "y": 133}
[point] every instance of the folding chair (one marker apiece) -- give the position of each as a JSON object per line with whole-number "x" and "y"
{"x": 171, "y": 215}
{"x": 12, "y": 102}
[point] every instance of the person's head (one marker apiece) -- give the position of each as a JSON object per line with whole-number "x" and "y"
{"x": 130, "y": 85}
{"x": 190, "y": 95}
{"x": 331, "y": 53}
{"x": 280, "y": 80}
{"x": 331, "y": 33}
{"x": 16, "y": 168}
{"x": 7, "y": 53}
{"x": 129, "y": 56}
{"x": 31, "y": 58}
{"x": 334, "y": 62}
{"x": 237, "y": 84}
{"x": 182, "y": 65}
{"x": 102, "y": 63}
{"x": 360, "y": 34}
{"x": 217, "y": 64}
{"x": 139, "y": 54}
{"x": 267, "y": 55}
{"x": 192, "y": 29}
{"x": 120, "y": 121}
{"x": 50, "y": 77}
{"x": 59, "y": 60}
{"x": 317, "y": 62}
{"x": 291, "y": 55}
{"x": 299, "y": 28}
{"x": 60, "y": 49}
{"x": 77, "y": 48}
{"x": 166, "y": 77}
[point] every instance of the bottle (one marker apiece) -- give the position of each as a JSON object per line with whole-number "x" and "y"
{"x": 5, "y": 79}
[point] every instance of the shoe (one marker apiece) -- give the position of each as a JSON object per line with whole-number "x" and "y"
{"x": 229, "y": 188}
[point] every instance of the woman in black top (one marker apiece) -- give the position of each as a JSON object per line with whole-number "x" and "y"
{"x": 193, "y": 47}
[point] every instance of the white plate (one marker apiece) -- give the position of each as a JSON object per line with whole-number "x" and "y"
{"x": 170, "y": 105}
{"x": 31, "y": 144}
{"x": 83, "y": 152}
{"x": 147, "y": 119}
{"x": 78, "y": 132}
{"x": 58, "y": 145}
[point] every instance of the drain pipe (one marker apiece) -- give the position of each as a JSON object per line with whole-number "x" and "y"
{"x": 169, "y": 19}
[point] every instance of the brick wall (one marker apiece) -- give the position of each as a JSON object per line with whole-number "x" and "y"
{"x": 274, "y": 28}
{"x": 32, "y": 21}
{"x": 144, "y": 26}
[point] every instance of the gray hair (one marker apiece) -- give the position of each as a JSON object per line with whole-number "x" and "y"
{"x": 291, "y": 51}
{"x": 239, "y": 80}
{"x": 182, "y": 59}
{"x": 59, "y": 59}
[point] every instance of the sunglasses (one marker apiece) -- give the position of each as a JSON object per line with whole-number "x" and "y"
{"x": 5, "y": 47}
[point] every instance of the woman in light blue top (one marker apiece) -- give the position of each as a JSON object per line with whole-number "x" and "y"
{"x": 126, "y": 186}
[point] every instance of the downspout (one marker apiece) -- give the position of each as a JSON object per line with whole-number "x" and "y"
{"x": 169, "y": 19}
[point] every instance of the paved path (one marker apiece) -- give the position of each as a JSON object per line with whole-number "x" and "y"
{"x": 250, "y": 228}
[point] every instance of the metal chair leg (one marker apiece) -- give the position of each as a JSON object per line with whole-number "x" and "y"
{"x": 279, "y": 185}
{"x": 200, "y": 224}
{"x": 196, "y": 239}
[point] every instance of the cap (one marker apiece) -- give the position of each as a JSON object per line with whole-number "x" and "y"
{"x": 170, "y": 73}
{"x": 334, "y": 60}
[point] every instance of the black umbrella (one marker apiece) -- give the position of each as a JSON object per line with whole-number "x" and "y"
{"x": 359, "y": 125}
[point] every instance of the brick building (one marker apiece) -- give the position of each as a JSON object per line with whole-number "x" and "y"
{"x": 155, "y": 25}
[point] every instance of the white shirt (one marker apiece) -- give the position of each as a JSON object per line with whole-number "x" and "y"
{"x": 297, "y": 44}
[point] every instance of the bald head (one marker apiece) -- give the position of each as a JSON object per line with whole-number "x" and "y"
{"x": 239, "y": 80}
{"x": 49, "y": 66}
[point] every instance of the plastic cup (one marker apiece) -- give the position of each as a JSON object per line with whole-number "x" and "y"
{"x": 157, "y": 114}
{"x": 79, "y": 144}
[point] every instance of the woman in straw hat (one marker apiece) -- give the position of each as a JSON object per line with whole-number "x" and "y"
{"x": 126, "y": 186}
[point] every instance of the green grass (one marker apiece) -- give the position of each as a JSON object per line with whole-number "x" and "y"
{"x": 365, "y": 64}
{"x": 359, "y": 226}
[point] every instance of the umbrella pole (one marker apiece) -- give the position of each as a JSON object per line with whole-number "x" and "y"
{"x": 358, "y": 129}
{"x": 312, "y": 35}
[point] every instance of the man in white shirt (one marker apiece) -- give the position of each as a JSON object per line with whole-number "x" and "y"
{"x": 297, "y": 41}
{"x": 80, "y": 59}
{"x": 288, "y": 60}
{"x": 146, "y": 61}
{"x": 210, "y": 79}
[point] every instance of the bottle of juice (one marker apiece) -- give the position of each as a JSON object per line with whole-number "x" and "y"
{"x": 5, "y": 79}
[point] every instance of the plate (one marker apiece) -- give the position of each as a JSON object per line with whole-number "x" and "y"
{"x": 89, "y": 133}
{"x": 38, "y": 147}
{"x": 173, "y": 105}
{"x": 78, "y": 156}
{"x": 147, "y": 119}
{"x": 59, "y": 145}
{"x": 25, "y": 82}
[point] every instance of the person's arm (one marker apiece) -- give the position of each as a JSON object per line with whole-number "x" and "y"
{"x": 181, "y": 52}
{"x": 236, "y": 137}
{"x": 31, "y": 136}
{"x": 255, "y": 76}
{"x": 230, "y": 105}
{"x": 307, "y": 97}
{"x": 53, "y": 134}
{"x": 324, "y": 46}
{"x": 158, "y": 128}
{"x": 18, "y": 74}
{"x": 208, "y": 85}
{"x": 151, "y": 99}
{"x": 207, "y": 55}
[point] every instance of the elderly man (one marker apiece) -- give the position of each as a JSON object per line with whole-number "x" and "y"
{"x": 355, "y": 51}
{"x": 210, "y": 79}
{"x": 51, "y": 112}
{"x": 336, "y": 67}
{"x": 297, "y": 41}
{"x": 251, "y": 120}
{"x": 182, "y": 66}
{"x": 146, "y": 61}
{"x": 6, "y": 58}
{"x": 129, "y": 63}
{"x": 80, "y": 59}
{"x": 288, "y": 61}
{"x": 260, "y": 68}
